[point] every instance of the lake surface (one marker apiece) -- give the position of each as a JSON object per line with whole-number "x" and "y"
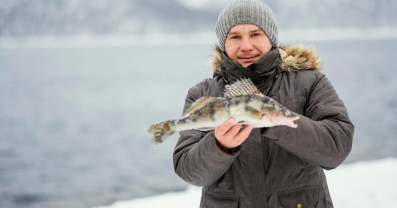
{"x": 73, "y": 121}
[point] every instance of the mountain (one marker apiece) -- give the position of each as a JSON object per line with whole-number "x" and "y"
{"x": 24, "y": 18}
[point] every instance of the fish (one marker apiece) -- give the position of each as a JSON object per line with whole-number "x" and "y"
{"x": 241, "y": 100}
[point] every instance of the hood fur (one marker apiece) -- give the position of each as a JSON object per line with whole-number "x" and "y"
{"x": 294, "y": 58}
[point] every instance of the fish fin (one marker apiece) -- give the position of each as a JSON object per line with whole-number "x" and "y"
{"x": 255, "y": 113}
{"x": 198, "y": 104}
{"x": 206, "y": 129}
{"x": 255, "y": 116}
{"x": 243, "y": 86}
{"x": 161, "y": 131}
{"x": 244, "y": 123}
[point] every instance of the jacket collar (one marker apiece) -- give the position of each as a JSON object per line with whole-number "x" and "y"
{"x": 293, "y": 58}
{"x": 262, "y": 72}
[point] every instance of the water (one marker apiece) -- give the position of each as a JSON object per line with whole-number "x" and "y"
{"x": 73, "y": 121}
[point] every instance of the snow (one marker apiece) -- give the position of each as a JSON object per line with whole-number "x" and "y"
{"x": 361, "y": 184}
{"x": 364, "y": 184}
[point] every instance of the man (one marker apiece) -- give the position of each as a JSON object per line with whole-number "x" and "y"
{"x": 267, "y": 167}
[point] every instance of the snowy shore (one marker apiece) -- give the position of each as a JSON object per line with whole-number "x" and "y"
{"x": 360, "y": 184}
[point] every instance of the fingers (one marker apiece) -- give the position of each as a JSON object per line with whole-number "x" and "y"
{"x": 233, "y": 131}
{"x": 233, "y": 136}
{"x": 224, "y": 128}
{"x": 243, "y": 134}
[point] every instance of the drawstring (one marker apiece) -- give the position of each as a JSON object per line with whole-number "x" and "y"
{"x": 224, "y": 79}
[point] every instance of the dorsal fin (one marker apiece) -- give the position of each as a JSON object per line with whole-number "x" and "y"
{"x": 198, "y": 104}
{"x": 243, "y": 86}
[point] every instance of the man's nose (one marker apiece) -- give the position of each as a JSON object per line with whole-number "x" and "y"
{"x": 246, "y": 44}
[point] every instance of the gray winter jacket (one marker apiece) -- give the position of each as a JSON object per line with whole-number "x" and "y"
{"x": 278, "y": 166}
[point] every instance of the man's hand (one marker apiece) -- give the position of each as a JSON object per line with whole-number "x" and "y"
{"x": 229, "y": 136}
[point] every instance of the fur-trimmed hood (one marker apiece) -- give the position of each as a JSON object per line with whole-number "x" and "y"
{"x": 294, "y": 58}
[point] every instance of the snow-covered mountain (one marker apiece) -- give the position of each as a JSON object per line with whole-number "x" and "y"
{"x": 24, "y": 18}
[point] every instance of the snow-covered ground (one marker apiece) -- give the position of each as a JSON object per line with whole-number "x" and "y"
{"x": 361, "y": 184}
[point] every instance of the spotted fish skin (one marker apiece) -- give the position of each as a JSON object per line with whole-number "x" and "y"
{"x": 255, "y": 109}
{"x": 242, "y": 102}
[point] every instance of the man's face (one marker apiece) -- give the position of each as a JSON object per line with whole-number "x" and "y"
{"x": 246, "y": 43}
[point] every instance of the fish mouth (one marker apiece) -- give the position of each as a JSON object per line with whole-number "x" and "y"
{"x": 291, "y": 122}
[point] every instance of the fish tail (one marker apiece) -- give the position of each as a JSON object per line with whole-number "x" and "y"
{"x": 161, "y": 131}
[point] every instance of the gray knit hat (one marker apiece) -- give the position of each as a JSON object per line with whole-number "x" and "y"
{"x": 246, "y": 12}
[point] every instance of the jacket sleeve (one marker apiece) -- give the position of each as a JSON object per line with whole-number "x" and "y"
{"x": 324, "y": 135}
{"x": 197, "y": 158}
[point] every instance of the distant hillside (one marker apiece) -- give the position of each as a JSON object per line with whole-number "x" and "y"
{"x": 23, "y": 18}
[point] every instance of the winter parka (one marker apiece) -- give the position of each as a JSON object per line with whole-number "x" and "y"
{"x": 277, "y": 166}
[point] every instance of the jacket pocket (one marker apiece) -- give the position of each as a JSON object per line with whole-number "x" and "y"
{"x": 303, "y": 197}
{"x": 217, "y": 200}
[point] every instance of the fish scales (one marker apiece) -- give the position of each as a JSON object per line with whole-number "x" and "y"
{"x": 237, "y": 106}
{"x": 214, "y": 113}
{"x": 220, "y": 111}
{"x": 207, "y": 112}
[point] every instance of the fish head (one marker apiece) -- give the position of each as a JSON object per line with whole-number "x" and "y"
{"x": 276, "y": 115}
{"x": 287, "y": 118}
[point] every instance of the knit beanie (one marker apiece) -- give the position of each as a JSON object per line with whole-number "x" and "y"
{"x": 246, "y": 12}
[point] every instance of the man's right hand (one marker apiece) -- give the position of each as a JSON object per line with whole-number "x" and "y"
{"x": 229, "y": 136}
